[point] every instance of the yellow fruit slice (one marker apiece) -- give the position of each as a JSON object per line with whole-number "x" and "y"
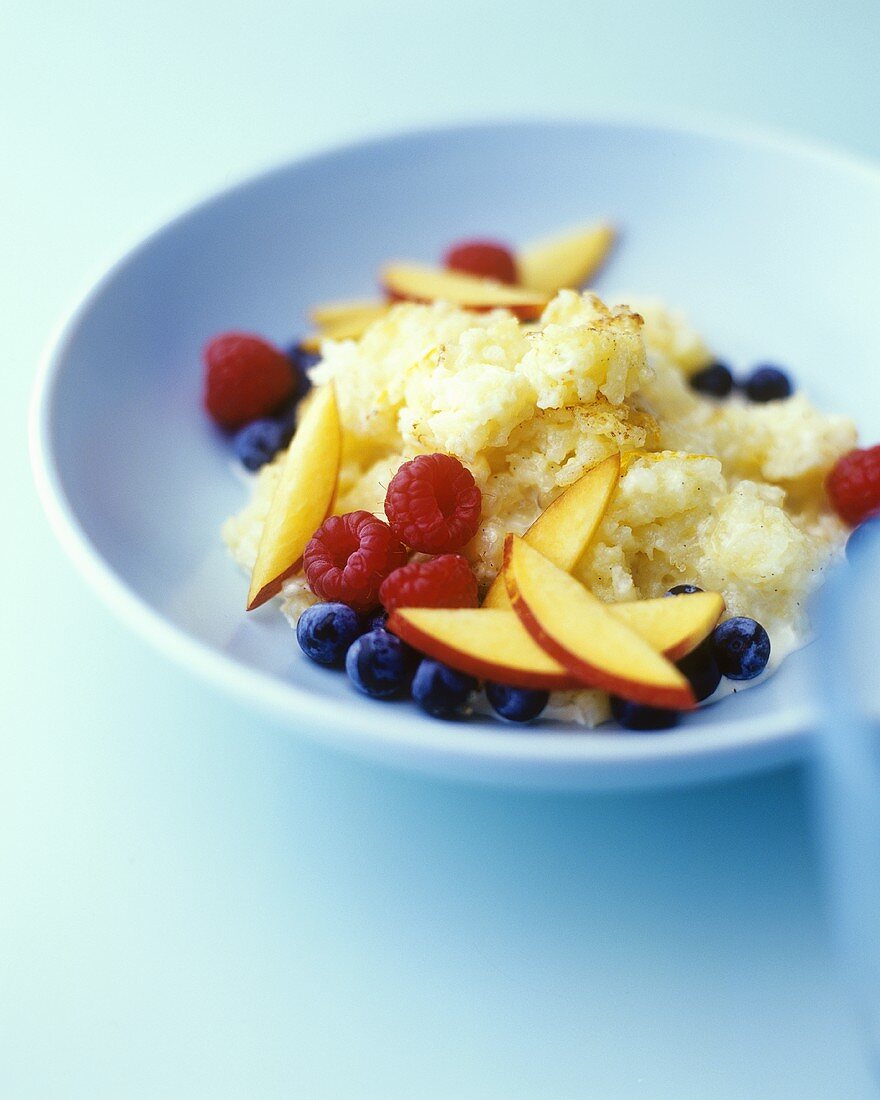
{"x": 569, "y": 260}
{"x": 418, "y": 283}
{"x": 579, "y": 631}
{"x": 302, "y": 498}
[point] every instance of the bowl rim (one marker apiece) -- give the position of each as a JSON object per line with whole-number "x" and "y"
{"x": 576, "y": 758}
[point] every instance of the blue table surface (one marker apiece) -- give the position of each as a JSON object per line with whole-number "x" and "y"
{"x": 193, "y": 902}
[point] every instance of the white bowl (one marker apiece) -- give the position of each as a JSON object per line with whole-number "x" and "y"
{"x": 771, "y": 248}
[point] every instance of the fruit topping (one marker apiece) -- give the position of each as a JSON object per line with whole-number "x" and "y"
{"x": 568, "y": 260}
{"x": 245, "y": 378}
{"x": 639, "y": 716}
{"x": 380, "y": 665}
{"x": 433, "y": 504}
{"x": 767, "y": 384}
{"x": 683, "y": 590}
{"x": 714, "y": 380}
{"x": 485, "y": 259}
{"x": 441, "y": 691}
{"x": 417, "y": 283}
{"x": 854, "y": 485}
{"x": 302, "y": 359}
{"x": 701, "y": 669}
{"x": 325, "y": 632}
{"x": 446, "y": 581}
{"x": 349, "y": 556}
{"x": 516, "y": 704}
{"x": 741, "y": 647}
{"x": 302, "y": 497}
{"x": 258, "y": 442}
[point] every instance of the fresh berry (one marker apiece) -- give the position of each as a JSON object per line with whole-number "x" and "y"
{"x": 325, "y": 632}
{"x": 258, "y": 442}
{"x": 854, "y": 485}
{"x": 714, "y": 380}
{"x": 767, "y": 384}
{"x": 701, "y": 669}
{"x": 442, "y": 691}
{"x": 433, "y": 504}
{"x": 742, "y": 648}
{"x": 516, "y": 704}
{"x": 864, "y": 535}
{"x": 245, "y": 378}
{"x": 639, "y": 716}
{"x": 485, "y": 259}
{"x": 302, "y": 361}
{"x": 682, "y": 590}
{"x": 446, "y": 581}
{"x": 380, "y": 665}
{"x": 376, "y": 620}
{"x": 348, "y": 558}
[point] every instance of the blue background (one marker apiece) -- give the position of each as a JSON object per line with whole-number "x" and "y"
{"x": 195, "y": 903}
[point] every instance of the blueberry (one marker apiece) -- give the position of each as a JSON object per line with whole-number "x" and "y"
{"x": 380, "y": 664}
{"x": 767, "y": 384}
{"x": 325, "y": 632}
{"x": 377, "y": 619}
{"x": 260, "y": 441}
{"x": 701, "y": 669}
{"x": 302, "y": 361}
{"x": 639, "y": 716}
{"x": 862, "y": 537}
{"x": 682, "y": 590}
{"x": 516, "y": 704}
{"x": 714, "y": 380}
{"x": 742, "y": 648}
{"x": 442, "y": 691}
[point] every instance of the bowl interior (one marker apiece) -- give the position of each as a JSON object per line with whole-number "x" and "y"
{"x": 773, "y": 252}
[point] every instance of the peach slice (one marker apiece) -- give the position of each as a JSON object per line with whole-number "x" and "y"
{"x": 488, "y": 644}
{"x": 418, "y": 283}
{"x": 579, "y": 631}
{"x": 302, "y": 498}
{"x": 569, "y": 260}
{"x": 348, "y": 319}
{"x": 671, "y": 624}
{"x": 563, "y": 531}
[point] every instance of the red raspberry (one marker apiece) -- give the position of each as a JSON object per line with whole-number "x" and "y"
{"x": 349, "y": 556}
{"x": 854, "y": 485}
{"x": 446, "y": 581}
{"x": 485, "y": 259}
{"x": 433, "y": 504}
{"x": 245, "y": 378}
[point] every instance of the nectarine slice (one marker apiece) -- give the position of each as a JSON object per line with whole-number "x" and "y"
{"x": 488, "y": 644}
{"x": 418, "y": 283}
{"x": 302, "y": 498}
{"x": 671, "y": 624}
{"x": 579, "y": 631}
{"x": 569, "y": 260}
{"x": 563, "y": 531}
{"x": 347, "y": 320}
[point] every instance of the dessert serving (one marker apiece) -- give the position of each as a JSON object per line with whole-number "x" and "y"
{"x": 491, "y": 490}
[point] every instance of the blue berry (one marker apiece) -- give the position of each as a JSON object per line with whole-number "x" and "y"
{"x": 742, "y": 648}
{"x": 767, "y": 384}
{"x": 380, "y": 664}
{"x": 325, "y": 632}
{"x": 639, "y": 716}
{"x": 376, "y": 620}
{"x": 862, "y": 537}
{"x": 302, "y": 361}
{"x": 682, "y": 590}
{"x": 714, "y": 380}
{"x": 516, "y": 704}
{"x": 701, "y": 669}
{"x": 260, "y": 441}
{"x": 442, "y": 691}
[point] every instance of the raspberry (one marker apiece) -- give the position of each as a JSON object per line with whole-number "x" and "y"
{"x": 854, "y": 485}
{"x": 446, "y": 581}
{"x": 433, "y": 504}
{"x": 349, "y": 556}
{"x": 245, "y": 378}
{"x": 485, "y": 259}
